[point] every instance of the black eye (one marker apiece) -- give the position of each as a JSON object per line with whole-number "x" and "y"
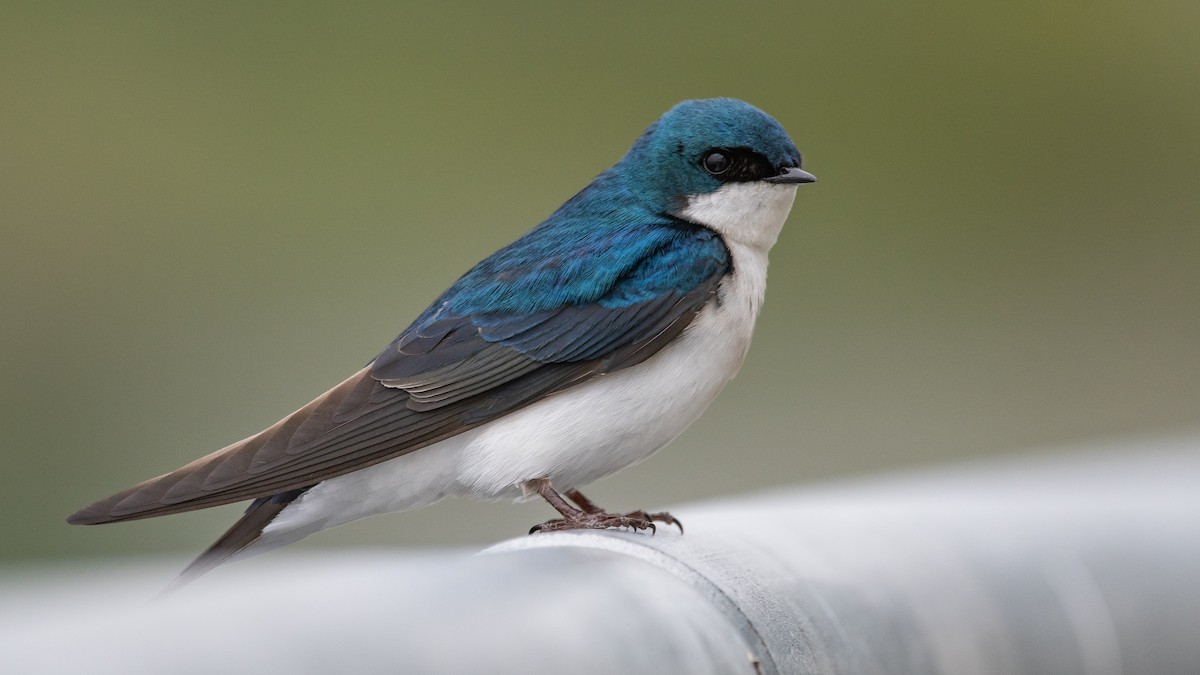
{"x": 716, "y": 162}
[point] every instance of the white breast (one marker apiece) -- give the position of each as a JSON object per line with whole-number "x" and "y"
{"x": 619, "y": 419}
{"x": 594, "y": 429}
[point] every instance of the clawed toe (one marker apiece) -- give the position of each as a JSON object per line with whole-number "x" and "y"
{"x": 666, "y": 519}
{"x": 589, "y": 516}
{"x": 663, "y": 517}
{"x": 636, "y": 521}
{"x": 546, "y": 526}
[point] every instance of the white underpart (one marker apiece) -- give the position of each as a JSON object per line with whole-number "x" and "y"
{"x": 592, "y": 430}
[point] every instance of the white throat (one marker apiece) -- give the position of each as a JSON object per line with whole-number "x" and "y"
{"x": 751, "y": 214}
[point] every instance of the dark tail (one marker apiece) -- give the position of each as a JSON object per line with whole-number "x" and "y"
{"x": 244, "y": 532}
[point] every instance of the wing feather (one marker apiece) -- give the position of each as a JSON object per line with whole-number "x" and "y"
{"x": 453, "y": 369}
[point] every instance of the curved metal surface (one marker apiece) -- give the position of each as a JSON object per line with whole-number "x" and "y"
{"x": 1082, "y": 564}
{"x": 1078, "y": 564}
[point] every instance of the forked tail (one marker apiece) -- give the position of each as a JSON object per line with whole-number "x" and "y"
{"x": 244, "y": 532}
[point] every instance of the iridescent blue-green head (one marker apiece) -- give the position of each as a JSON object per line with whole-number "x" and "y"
{"x": 698, "y": 147}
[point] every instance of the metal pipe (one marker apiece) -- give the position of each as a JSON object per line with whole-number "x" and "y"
{"x": 1084, "y": 563}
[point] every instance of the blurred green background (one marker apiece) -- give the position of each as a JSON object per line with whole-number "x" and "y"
{"x": 212, "y": 212}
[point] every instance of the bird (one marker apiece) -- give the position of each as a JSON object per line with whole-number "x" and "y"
{"x": 579, "y": 349}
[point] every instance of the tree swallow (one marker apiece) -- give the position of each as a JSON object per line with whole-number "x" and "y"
{"x": 579, "y": 349}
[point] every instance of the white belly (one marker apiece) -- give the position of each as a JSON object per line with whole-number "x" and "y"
{"x": 614, "y": 421}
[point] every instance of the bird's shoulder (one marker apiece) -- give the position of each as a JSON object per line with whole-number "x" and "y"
{"x": 601, "y": 280}
{"x": 607, "y": 249}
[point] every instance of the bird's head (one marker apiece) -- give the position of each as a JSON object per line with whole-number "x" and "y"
{"x": 721, "y": 163}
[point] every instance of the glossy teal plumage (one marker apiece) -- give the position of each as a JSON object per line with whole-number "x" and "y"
{"x": 663, "y": 162}
{"x": 610, "y": 249}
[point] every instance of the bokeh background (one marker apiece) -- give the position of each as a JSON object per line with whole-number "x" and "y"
{"x": 211, "y": 212}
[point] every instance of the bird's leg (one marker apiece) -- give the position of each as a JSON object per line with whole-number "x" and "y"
{"x": 576, "y": 519}
{"x": 590, "y": 506}
{"x": 589, "y": 516}
{"x": 583, "y": 502}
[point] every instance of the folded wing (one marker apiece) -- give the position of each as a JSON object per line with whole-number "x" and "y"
{"x": 490, "y": 345}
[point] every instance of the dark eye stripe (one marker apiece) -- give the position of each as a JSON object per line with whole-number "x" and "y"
{"x": 740, "y": 165}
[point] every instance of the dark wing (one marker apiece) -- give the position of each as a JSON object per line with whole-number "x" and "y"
{"x": 456, "y": 368}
